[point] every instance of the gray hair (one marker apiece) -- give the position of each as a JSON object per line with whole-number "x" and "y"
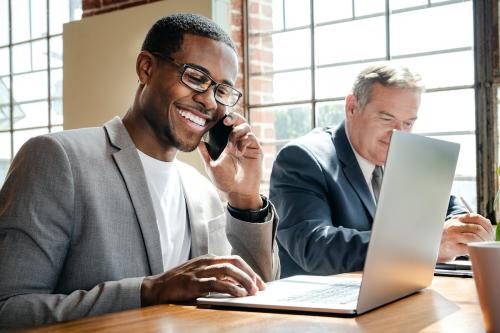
{"x": 388, "y": 75}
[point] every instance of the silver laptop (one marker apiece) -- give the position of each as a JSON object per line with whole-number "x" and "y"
{"x": 404, "y": 243}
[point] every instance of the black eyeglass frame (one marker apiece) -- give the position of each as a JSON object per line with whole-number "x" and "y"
{"x": 212, "y": 83}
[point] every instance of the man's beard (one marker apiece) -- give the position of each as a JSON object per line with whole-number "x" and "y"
{"x": 173, "y": 141}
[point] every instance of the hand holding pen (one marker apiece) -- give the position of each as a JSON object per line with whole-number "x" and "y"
{"x": 483, "y": 222}
{"x": 462, "y": 229}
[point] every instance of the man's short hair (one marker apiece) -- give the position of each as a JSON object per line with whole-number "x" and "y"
{"x": 166, "y": 35}
{"x": 388, "y": 75}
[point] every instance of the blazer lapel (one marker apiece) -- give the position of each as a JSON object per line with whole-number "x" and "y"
{"x": 194, "y": 204}
{"x": 352, "y": 170}
{"x": 128, "y": 161}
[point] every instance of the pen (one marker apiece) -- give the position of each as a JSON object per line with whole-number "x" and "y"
{"x": 466, "y": 204}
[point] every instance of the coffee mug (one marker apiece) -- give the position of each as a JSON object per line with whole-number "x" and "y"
{"x": 485, "y": 258}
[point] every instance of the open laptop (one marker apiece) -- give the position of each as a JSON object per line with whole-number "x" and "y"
{"x": 404, "y": 243}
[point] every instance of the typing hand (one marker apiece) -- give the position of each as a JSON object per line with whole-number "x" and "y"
{"x": 198, "y": 277}
{"x": 460, "y": 230}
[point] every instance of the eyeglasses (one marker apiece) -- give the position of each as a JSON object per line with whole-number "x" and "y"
{"x": 199, "y": 81}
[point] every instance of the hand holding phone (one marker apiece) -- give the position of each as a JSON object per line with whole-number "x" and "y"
{"x": 217, "y": 138}
{"x": 238, "y": 174}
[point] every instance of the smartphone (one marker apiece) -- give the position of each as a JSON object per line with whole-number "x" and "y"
{"x": 217, "y": 138}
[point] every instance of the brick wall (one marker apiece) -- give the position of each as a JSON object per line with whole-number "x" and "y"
{"x": 261, "y": 86}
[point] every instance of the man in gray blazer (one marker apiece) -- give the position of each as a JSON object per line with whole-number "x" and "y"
{"x": 106, "y": 219}
{"x": 324, "y": 185}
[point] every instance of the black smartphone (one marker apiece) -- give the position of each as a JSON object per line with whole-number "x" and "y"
{"x": 217, "y": 138}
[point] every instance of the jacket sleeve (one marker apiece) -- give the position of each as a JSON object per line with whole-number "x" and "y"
{"x": 256, "y": 243}
{"x": 454, "y": 208}
{"x": 36, "y": 223}
{"x": 315, "y": 242}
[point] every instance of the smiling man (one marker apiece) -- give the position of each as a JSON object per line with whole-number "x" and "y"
{"x": 105, "y": 219}
{"x": 325, "y": 185}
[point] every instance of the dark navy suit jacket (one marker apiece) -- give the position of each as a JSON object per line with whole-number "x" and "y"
{"x": 325, "y": 206}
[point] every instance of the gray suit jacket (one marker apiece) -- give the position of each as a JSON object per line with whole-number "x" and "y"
{"x": 78, "y": 231}
{"x": 325, "y": 206}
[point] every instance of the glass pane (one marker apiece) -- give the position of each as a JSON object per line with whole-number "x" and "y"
{"x": 279, "y": 51}
{"x": 56, "y": 112}
{"x": 20, "y": 137}
{"x": 4, "y": 146}
{"x": 350, "y": 41}
{"x": 54, "y": 129}
{"x": 56, "y": 52}
{"x": 270, "y": 152}
{"x": 282, "y": 87}
{"x": 31, "y": 86}
{"x": 4, "y": 61}
{"x": 265, "y": 16}
{"x": 433, "y": 35}
{"x": 440, "y": 70}
{"x": 59, "y": 14}
{"x": 446, "y": 111}
{"x": 4, "y": 155}
{"x": 467, "y": 190}
{"x": 38, "y": 18}
{"x": 20, "y": 20}
{"x": 466, "y": 166}
{"x": 56, "y": 83}
{"x": 31, "y": 115}
{"x": 286, "y": 53}
{"x": 4, "y": 22}
{"x": 337, "y": 81}
{"x": 29, "y": 56}
{"x": 4, "y": 117}
{"x": 399, "y": 4}
{"x": 367, "y": 7}
{"x": 281, "y": 123}
{"x": 328, "y": 10}
{"x": 75, "y": 10}
{"x": 4, "y": 90}
{"x": 330, "y": 114}
{"x": 297, "y": 13}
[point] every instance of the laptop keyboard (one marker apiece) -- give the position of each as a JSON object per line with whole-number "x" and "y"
{"x": 338, "y": 293}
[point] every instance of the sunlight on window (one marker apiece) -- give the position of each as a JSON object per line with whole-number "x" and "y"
{"x": 348, "y": 36}
{"x": 35, "y": 56}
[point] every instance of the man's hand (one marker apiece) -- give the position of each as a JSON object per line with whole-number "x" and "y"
{"x": 199, "y": 276}
{"x": 237, "y": 171}
{"x": 460, "y": 230}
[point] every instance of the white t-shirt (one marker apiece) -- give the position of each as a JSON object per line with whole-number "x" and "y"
{"x": 169, "y": 204}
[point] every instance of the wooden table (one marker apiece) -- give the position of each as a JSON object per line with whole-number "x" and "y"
{"x": 448, "y": 305}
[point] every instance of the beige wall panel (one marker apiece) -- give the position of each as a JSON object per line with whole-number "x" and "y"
{"x": 99, "y": 62}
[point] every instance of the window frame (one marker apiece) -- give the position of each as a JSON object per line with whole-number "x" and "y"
{"x": 486, "y": 81}
{"x": 49, "y": 68}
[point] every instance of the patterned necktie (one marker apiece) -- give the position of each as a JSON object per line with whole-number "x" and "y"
{"x": 377, "y": 175}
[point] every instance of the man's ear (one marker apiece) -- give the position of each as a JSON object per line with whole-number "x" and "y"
{"x": 351, "y": 105}
{"x": 144, "y": 66}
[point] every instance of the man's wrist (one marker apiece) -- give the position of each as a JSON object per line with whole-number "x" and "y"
{"x": 245, "y": 202}
{"x": 250, "y": 215}
{"x": 147, "y": 294}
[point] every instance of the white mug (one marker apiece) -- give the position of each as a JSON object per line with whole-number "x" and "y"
{"x": 485, "y": 258}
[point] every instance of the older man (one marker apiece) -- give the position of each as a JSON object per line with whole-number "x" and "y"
{"x": 324, "y": 184}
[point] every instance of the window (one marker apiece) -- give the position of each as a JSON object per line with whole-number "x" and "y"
{"x": 304, "y": 55}
{"x": 31, "y": 70}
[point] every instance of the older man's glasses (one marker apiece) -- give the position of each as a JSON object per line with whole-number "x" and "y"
{"x": 199, "y": 81}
